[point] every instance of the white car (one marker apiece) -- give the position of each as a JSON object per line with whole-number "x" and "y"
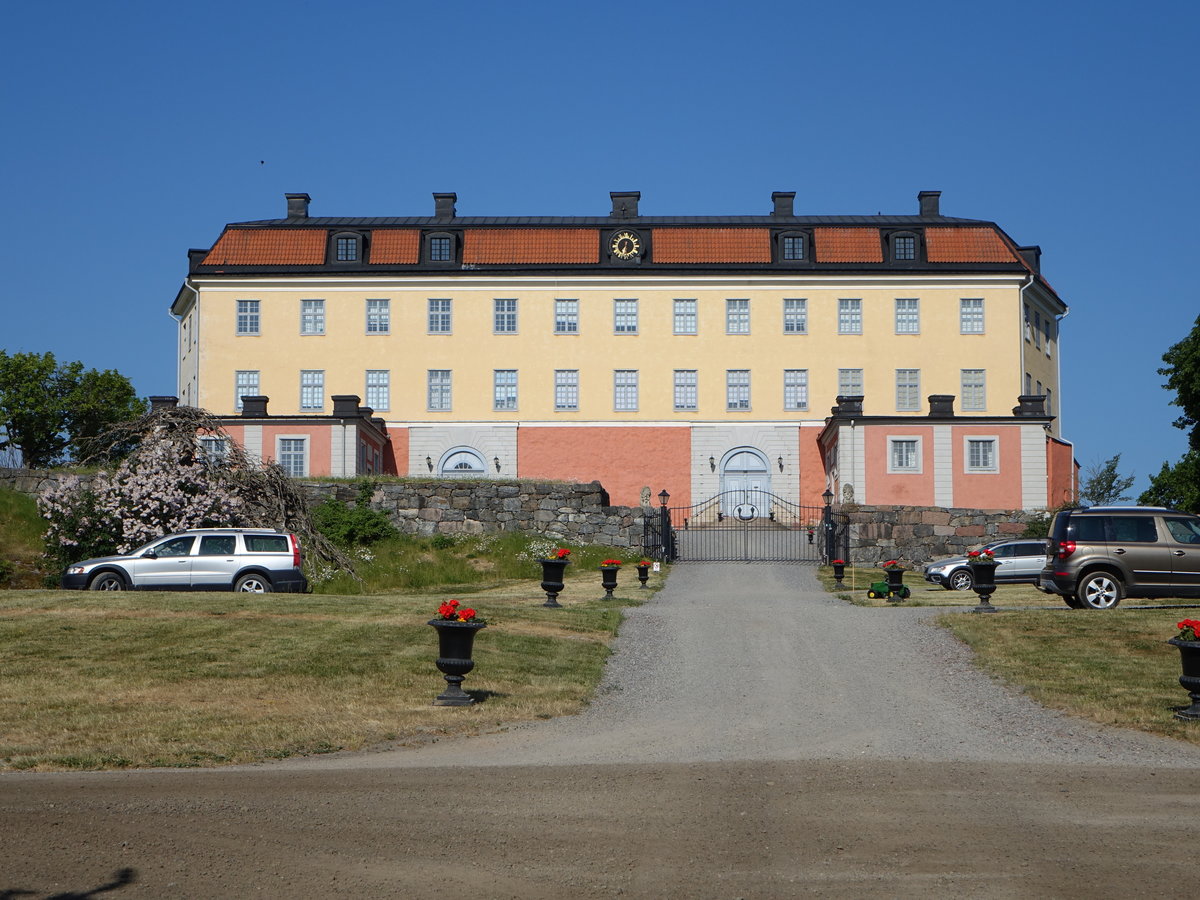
{"x": 1017, "y": 561}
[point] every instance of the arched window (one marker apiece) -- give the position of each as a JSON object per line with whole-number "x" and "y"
{"x": 462, "y": 462}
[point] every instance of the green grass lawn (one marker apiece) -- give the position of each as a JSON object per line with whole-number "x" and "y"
{"x": 21, "y": 529}
{"x": 93, "y": 681}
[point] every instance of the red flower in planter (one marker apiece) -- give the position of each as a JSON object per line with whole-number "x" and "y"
{"x": 562, "y": 553}
{"x": 611, "y": 562}
{"x": 1189, "y": 629}
{"x": 451, "y": 613}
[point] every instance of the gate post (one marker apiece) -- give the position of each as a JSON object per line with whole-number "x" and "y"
{"x": 827, "y": 518}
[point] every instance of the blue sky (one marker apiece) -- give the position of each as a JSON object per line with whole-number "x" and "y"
{"x": 136, "y": 130}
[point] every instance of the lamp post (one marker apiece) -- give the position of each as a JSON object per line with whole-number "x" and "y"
{"x": 664, "y": 526}
{"x": 827, "y": 521}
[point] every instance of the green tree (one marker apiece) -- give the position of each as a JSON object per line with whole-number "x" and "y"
{"x": 52, "y": 411}
{"x": 1177, "y": 486}
{"x": 1103, "y": 484}
{"x": 1183, "y": 377}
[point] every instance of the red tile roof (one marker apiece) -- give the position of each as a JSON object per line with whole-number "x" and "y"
{"x": 966, "y": 245}
{"x": 395, "y": 245}
{"x": 531, "y": 245}
{"x": 268, "y": 247}
{"x": 711, "y": 245}
{"x": 847, "y": 245}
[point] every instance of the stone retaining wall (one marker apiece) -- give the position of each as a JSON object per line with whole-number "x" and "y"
{"x": 914, "y": 535}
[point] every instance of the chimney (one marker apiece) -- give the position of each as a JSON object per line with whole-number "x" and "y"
{"x": 443, "y": 205}
{"x": 625, "y": 204}
{"x": 345, "y": 406}
{"x": 297, "y": 205}
{"x": 1030, "y": 405}
{"x": 783, "y": 203}
{"x": 848, "y": 406}
{"x": 1033, "y": 258}
{"x": 929, "y": 204}
{"x": 254, "y": 407}
{"x": 941, "y": 404}
{"x": 158, "y": 404}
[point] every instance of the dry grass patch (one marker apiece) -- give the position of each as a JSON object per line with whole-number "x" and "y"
{"x": 91, "y": 681}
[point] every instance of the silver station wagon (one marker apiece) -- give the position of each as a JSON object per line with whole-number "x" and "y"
{"x": 255, "y": 560}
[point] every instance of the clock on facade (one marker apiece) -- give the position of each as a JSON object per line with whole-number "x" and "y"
{"x": 625, "y": 245}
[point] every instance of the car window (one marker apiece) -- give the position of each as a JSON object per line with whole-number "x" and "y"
{"x": 1003, "y": 552}
{"x": 1031, "y": 549}
{"x": 1186, "y": 531}
{"x": 1134, "y": 529}
{"x": 217, "y": 545}
{"x": 180, "y": 546}
{"x": 267, "y": 543}
{"x": 1088, "y": 528}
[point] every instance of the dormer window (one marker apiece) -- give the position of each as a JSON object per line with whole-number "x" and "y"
{"x": 439, "y": 248}
{"x": 904, "y": 247}
{"x": 792, "y": 247}
{"x": 347, "y": 247}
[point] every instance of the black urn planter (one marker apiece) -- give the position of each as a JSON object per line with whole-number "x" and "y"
{"x": 983, "y": 583}
{"x": 608, "y": 580}
{"x": 552, "y": 579}
{"x": 1189, "y": 656}
{"x": 455, "y": 643}
{"x": 839, "y": 572}
{"x": 643, "y": 575}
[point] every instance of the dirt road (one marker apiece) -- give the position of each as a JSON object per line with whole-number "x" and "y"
{"x": 754, "y": 738}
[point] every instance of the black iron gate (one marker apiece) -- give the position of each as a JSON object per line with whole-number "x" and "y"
{"x": 748, "y": 525}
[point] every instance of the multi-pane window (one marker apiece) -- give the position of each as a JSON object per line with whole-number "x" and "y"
{"x": 793, "y": 246}
{"x": 247, "y": 317}
{"x": 795, "y": 388}
{"x": 293, "y": 456}
{"x": 625, "y": 389}
{"x": 214, "y": 450}
{"x": 347, "y": 249}
{"x": 849, "y": 317}
{"x": 974, "y": 389}
{"x": 970, "y": 315}
{"x": 908, "y": 390}
{"x": 981, "y": 454}
{"x": 504, "y": 382}
{"x": 439, "y": 249}
{"x": 1048, "y": 324}
{"x": 685, "y": 390}
{"x": 850, "y": 382}
{"x": 566, "y": 389}
{"x": 904, "y": 246}
{"x": 312, "y": 389}
{"x": 439, "y": 389}
{"x": 737, "y": 316}
{"x": 1047, "y": 407}
{"x": 245, "y": 385}
{"x": 312, "y": 316}
{"x": 379, "y": 316}
{"x": 439, "y": 316}
{"x": 908, "y": 315}
{"x": 904, "y": 455}
{"x": 625, "y": 316}
{"x": 795, "y": 316}
{"x": 1037, "y": 328}
{"x": 566, "y": 316}
{"x": 737, "y": 389}
{"x": 379, "y": 388}
{"x": 1028, "y": 383}
{"x": 504, "y": 316}
{"x": 685, "y": 316}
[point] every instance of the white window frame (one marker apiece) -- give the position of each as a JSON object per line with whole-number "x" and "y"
{"x": 379, "y": 316}
{"x": 566, "y": 390}
{"x": 795, "y": 389}
{"x": 850, "y": 319}
{"x": 312, "y": 316}
{"x": 795, "y": 315}
{"x": 378, "y": 387}
{"x": 968, "y": 390}
{"x": 685, "y": 319}
{"x": 566, "y": 316}
{"x": 737, "y": 390}
{"x": 894, "y": 466}
{"x": 737, "y": 316}
{"x": 844, "y": 376}
{"x": 908, "y": 318}
{"x": 908, "y": 393}
{"x": 970, "y": 318}
{"x": 249, "y": 317}
{"x": 441, "y": 391}
{"x": 287, "y": 462}
{"x": 312, "y": 387}
{"x": 239, "y": 393}
{"x": 504, "y": 390}
{"x": 625, "y": 316}
{"x": 504, "y": 315}
{"x": 440, "y": 320}
{"x": 686, "y": 395}
{"x": 992, "y": 439}
{"x": 214, "y": 450}
{"x": 625, "y": 390}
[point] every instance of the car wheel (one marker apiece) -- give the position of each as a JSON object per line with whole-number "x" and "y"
{"x": 253, "y": 584}
{"x": 107, "y": 581}
{"x": 960, "y": 580}
{"x": 1100, "y": 590}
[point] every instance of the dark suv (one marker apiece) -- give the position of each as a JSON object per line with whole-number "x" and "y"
{"x": 1101, "y": 554}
